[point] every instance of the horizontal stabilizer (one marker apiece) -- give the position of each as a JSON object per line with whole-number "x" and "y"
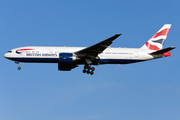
{"x": 162, "y": 51}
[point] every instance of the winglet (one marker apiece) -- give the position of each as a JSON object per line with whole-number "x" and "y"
{"x": 118, "y": 34}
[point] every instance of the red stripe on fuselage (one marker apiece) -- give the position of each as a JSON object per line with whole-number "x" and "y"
{"x": 24, "y": 49}
{"x": 162, "y": 33}
{"x": 152, "y": 47}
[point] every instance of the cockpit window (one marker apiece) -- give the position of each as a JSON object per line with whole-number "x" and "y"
{"x": 9, "y": 51}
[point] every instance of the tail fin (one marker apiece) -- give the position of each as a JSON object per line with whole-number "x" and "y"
{"x": 157, "y": 41}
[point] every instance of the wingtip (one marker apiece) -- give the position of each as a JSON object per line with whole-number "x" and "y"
{"x": 118, "y": 34}
{"x": 173, "y": 47}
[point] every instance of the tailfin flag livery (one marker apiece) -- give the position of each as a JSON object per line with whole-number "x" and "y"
{"x": 157, "y": 41}
{"x": 69, "y": 58}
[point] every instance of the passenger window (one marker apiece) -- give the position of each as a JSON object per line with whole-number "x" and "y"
{"x": 27, "y": 51}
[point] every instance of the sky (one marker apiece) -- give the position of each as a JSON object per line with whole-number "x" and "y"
{"x": 141, "y": 91}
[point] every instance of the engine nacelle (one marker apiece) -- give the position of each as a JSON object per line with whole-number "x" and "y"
{"x": 66, "y": 61}
{"x": 66, "y": 58}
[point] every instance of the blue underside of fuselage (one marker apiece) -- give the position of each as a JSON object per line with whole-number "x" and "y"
{"x": 118, "y": 61}
{"x": 38, "y": 60}
{"x": 56, "y": 60}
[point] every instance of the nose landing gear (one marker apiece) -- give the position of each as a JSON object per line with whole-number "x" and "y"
{"x": 19, "y": 68}
{"x": 18, "y": 63}
{"x": 88, "y": 69}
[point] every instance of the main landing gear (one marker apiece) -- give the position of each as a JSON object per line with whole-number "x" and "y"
{"x": 18, "y": 63}
{"x": 88, "y": 69}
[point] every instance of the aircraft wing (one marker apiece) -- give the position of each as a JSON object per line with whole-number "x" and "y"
{"x": 94, "y": 50}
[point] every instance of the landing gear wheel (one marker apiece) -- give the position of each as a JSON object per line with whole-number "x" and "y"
{"x": 88, "y": 69}
{"x": 84, "y": 71}
{"x": 18, "y": 63}
{"x": 91, "y": 72}
{"x": 19, "y": 68}
{"x": 93, "y": 68}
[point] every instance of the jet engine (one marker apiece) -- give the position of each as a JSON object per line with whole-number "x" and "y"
{"x": 66, "y": 61}
{"x": 67, "y": 58}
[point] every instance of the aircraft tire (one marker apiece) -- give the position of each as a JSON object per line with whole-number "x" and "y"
{"x": 91, "y": 72}
{"x": 93, "y": 68}
{"x": 84, "y": 71}
{"x": 19, "y": 68}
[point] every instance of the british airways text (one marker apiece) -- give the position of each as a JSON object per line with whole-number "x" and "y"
{"x": 41, "y": 54}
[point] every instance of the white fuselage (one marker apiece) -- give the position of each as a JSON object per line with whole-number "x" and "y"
{"x": 70, "y": 57}
{"x": 51, "y": 54}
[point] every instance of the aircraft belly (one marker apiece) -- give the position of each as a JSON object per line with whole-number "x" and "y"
{"x": 123, "y": 59}
{"x": 35, "y": 59}
{"x": 118, "y": 61}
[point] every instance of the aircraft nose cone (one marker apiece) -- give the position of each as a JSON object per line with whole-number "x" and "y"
{"x": 5, "y": 55}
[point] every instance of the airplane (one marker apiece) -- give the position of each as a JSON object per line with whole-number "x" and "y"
{"x": 101, "y": 53}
